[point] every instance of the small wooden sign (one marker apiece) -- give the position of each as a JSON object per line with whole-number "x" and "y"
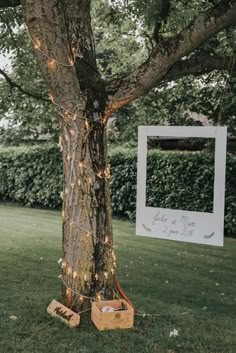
{"x": 68, "y": 316}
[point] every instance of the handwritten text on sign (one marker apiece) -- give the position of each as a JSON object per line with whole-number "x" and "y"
{"x": 65, "y": 314}
{"x": 189, "y": 226}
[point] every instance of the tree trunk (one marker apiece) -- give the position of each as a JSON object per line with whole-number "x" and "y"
{"x": 88, "y": 256}
{"x": 63, "y": 43}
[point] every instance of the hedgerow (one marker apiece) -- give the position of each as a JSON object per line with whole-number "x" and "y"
{"x": 180, "y": 180}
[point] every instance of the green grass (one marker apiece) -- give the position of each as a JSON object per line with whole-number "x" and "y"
{"x": 191, "y": 287}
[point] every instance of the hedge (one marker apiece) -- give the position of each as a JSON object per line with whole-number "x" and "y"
{"x": 181, "y": 180}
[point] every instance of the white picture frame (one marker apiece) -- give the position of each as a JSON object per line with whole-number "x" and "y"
{"x": 189, "y": 226}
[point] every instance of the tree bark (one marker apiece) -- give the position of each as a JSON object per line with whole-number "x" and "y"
{"x": 65, "y": 52}
{"x": 88, "y": 256}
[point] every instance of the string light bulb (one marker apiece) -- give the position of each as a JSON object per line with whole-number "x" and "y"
{"x": 75, "y": 274}
{"x": 51, "y": 97}
{"x": 87, "y": 124}
{"x": 37, "y": 44}
{"x": 68, "y": 292}
{"x": 106, "y": 239}
{"x": 71, "y": 61}
{"x": 69, "y": 271}
{"x": 105, "y": 274}
{"x": 51, "y": 63}
{"x": 96, "y": 276}
{"x": 81, "y": 298}
{"x": 85, "y": 277}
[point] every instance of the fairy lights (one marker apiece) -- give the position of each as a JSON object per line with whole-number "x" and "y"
{"x": 75, "y": 274}
{"x": 87, "y": 124}
{"x": 105, "y": 274}
{"x": 51, "y": 64}
{"x": 106, "y": 239}
{"x": 37, "y": 46}
{"x": 69, "y": 271}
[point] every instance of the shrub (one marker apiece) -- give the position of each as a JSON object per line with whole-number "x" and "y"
{"x": 180, "y": 180}
{"x": 31, "y": 176}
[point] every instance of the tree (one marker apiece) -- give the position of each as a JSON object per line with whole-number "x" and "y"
{"x": 63, "y": 41}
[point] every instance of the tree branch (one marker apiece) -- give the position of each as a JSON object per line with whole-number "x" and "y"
{"x": 199, "y": 65}
{"x": 13, "y": 84}
{"x": 168, "y": 52}
{"x": 9, "y": 3}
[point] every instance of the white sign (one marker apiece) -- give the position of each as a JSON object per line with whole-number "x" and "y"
{"x": 189, "y": 226}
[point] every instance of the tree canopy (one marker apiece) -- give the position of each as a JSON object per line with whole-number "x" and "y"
{"x": 126, "y": 33}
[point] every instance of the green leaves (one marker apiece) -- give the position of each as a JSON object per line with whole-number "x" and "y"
{"x": 181, "y": 180}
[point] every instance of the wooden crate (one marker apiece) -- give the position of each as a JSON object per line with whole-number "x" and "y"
{"x": 112, "y": 320}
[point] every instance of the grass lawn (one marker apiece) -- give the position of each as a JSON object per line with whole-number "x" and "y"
{"x": 191, "y": 287}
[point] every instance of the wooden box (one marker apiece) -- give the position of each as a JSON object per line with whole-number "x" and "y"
{"x": 112, "y": 320}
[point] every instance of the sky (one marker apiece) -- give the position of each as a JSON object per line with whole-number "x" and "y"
{"x": 4, "y": 61}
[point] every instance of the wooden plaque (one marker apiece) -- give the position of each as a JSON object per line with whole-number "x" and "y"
{"x": 68, "y": 316}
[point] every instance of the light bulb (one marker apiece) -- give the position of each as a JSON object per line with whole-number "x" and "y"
{"x": 106, "y": 239}
{"x": 51, "y": 97}
{"x": 69, "y": 270}
{"x": 71, "y": 61}
{"x": 87, "y": 124}
{"x": 37, "y": 43}
{"x": 51, "y": 64}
